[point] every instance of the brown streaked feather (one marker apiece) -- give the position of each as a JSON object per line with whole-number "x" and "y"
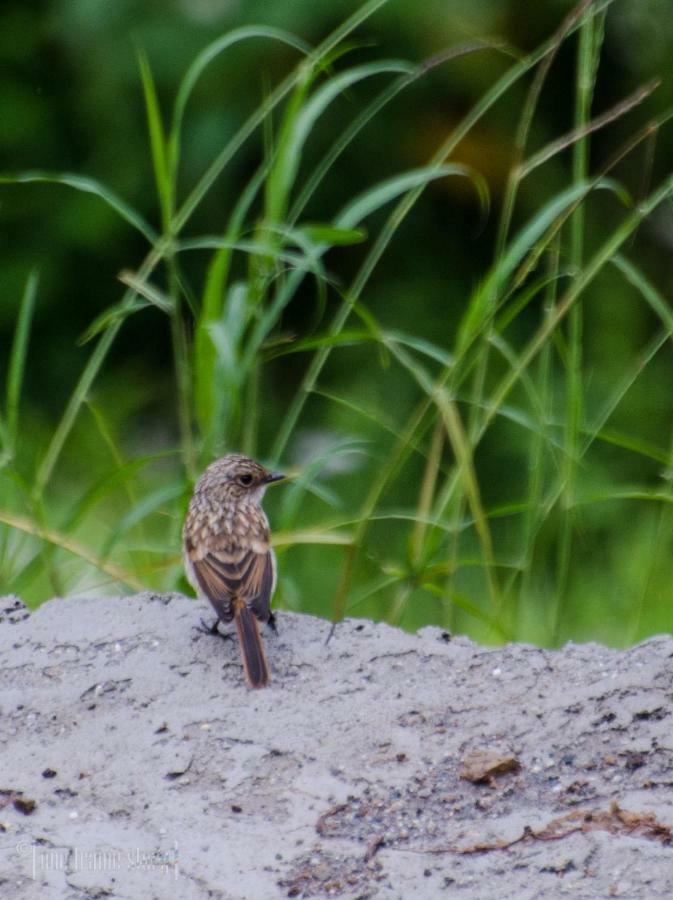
{"x": 213, "y": 588}
{"x": 263, "y": 583}
{"x": 248, "y": 576}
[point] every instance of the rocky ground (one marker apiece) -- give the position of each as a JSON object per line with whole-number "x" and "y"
{"x": 134, "y": 763}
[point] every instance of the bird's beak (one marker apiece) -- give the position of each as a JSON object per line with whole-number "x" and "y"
{"x": 273, "y": 476}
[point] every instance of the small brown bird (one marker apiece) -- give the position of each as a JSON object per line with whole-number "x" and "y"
{"x": 228, "y": 558}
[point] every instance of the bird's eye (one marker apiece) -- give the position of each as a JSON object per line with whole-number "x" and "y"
{"x": 245, "y": 480}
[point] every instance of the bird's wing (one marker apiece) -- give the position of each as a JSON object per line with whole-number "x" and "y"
{"x": 236, "y": 573}
{"x": 257, "y": 590}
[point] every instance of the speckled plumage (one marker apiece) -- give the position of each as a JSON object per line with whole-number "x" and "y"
{"x": 228, "y": 557}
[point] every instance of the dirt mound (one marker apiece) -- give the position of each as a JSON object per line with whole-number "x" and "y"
{"x": 135, "y": 763}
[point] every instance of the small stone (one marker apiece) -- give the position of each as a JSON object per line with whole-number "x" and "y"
{"x": 24, "y": 805}
{"x": 483, "y": 765}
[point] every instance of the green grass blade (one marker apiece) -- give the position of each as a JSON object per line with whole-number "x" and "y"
{"x": 122, "y": 477}
{"x": 73, "y": 407}
{"x": 585, "y": 79}
{"x": 149, "y": 504}
{"x": 374, "y": 198}
{"x": 331, "y": 235}
{"x": 629, "y": 442}
{"x": 350, "y": 217}
{"x": 58, "y": 540}
{"x": 524, "y": 126}
{"x": 659, "y": 305}
{"x": 114, "y": 315}
{"x": 464, "y": 603}
{"x": 426, "y": 495}
{"x": 420, "y": 345}
{"x": 87, "y": 186}
{"x": 376, "y": 416}
{"x": 160, "y": 161}
{"x": 147, "y": 290}
{"x": 208, "y": 400}
{"x": 582, "y": 131}
{"x": 284, "y": 166}
{"x": 203, "y": 60}
{"x": 481, "y": 306}
{"x": 88, "y": 376}
{"x": 302, "y": 120}
{"x": 17, "y": 358}
{"x": 305, "y": 481}
{"x": 345, "y": 339}
{"x": 252, "y": 248}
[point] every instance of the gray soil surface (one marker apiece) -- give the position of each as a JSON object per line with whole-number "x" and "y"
{"x": 135, "y": 763}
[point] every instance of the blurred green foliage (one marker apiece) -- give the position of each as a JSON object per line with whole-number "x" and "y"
{"x": 595, "y": 564}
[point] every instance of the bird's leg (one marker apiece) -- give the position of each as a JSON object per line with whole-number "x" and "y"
{"x": 212, "y": 629}
{"x": 271, "y": 622}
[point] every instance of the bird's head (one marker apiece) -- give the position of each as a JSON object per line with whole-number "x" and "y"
{"x": 238, "y": 478}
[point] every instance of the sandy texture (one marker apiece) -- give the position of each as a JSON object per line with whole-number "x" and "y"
{"x": 134, "y": 763}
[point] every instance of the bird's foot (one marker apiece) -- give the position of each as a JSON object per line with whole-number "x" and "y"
{"x": 212, "y": 629}
{"x": 271, "y": 622}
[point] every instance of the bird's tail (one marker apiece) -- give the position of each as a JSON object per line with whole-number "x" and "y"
{"x": 252, "y": 650}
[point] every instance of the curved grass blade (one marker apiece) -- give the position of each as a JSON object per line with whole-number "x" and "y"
{"x": 375, "y": 416}
{"x": 149, "y": 504}
{"x": 462, "y": 602}
{"x": 650, "y": 294}
{"x": 62, "y": 541}
{"x": 121, "y": 477}
{"x": 312, "y": 238}
{"x": 254, "y": 248}
{"x": 113, "y": 315}
{"x": 208, "y": 400}
{"x": 463, "y": 452}
{"x": 203, "y": 60}
{"x": 427, "y": 348}
{"x": 480, "y": 307}
{"x": 345, "y": 339}
{"x": 294, "y": 493}
{"x": 88, "y": 186}
{"x": 374, "y": 198}
{"x": 585, "y": 129}
{"x": 300, "y": 122}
